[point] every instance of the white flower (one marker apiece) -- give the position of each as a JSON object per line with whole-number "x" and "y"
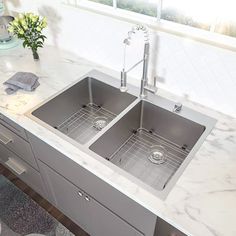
{"x": 38, "y": 28}
{"x": 11, "y": 29}
{"x": 35, "y": 18}
{"x": 20, "y": 16}
{"x": 44, "y": 23}
{"x": 15, "y": 23}
{"x": 21, "y": 32}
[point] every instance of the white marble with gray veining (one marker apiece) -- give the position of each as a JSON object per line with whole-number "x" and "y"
{"x": 203, "y": 201}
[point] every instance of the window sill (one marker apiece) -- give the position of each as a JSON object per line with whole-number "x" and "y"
{"x": 187, "y": 32}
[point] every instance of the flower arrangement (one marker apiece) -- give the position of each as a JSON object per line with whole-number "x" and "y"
{"x": 28, "y": 27}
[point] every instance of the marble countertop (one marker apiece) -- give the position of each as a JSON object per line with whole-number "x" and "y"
{"x": 203, "y": 201}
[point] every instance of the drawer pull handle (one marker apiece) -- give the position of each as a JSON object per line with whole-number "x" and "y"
{"x": 173, "y": 234}
{"x": 16, "y": 167}
{"x": 80, "y": 193}
{"x": 87, "y": 198}
{"x": 5, "y": 140}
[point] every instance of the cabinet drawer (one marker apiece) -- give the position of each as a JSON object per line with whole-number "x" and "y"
{"x": 165, "y": 229}
{"x": 94, "y": 218}
{"x": 13, "y": 126}
{"x": 20, "y": 168}
{"x": 18, "y": 145}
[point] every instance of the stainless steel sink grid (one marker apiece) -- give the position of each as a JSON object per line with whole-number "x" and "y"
{"x": 86, "y": 123}
{"x": 151, "y": 140}
{"x": 84, "y": 109}
{"x": 134, "y": 157}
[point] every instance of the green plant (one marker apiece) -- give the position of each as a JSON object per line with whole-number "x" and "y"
{"x": 28, "y": 27}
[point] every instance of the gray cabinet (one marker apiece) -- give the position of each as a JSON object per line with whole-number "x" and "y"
{"x": 106, "y": 195}
{"x": 93, "y": 217}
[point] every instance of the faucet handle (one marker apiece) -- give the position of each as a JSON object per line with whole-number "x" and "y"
{"x": 151, "y": 88}
{"x": 155, "y": 81}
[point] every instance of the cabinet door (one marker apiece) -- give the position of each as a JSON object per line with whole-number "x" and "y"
{"x": 65, "y": 196}
{"x": 102, "y": 222}
{"x": 83, "y": 209}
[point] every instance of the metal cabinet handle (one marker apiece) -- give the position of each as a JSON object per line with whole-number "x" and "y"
{"x": 16, "y": 167}
{"x": 87, "y": 198}
{"x": 5, "y": 140}
{"x": 173, "y": 234}
{"x": 80, "y": 193}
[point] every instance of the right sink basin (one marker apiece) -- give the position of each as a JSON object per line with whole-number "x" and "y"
{"x": 151, "y": 143}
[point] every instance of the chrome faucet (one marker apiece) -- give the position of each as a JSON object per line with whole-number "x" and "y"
{"x": 144, "y": 81}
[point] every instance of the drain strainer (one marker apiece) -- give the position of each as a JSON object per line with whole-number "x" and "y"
{"x": 157, "y": 155}
{"x": 100, "y": 122}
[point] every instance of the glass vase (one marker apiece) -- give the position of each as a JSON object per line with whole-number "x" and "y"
{"x": 35, "y": 55}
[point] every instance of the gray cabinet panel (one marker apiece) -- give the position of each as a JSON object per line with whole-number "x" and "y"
{"x": 106, "y": 223}
{"x": 117, "y": 202}
{"x": 18, "y": 145}
{"x": 20, "y": 168}
{"x": 13, "y": 126}
{"x": 64, "y": 195}
{"x": 83, "y": 209}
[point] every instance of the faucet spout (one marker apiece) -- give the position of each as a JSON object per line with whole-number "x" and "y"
{"x": 144, "y": 81}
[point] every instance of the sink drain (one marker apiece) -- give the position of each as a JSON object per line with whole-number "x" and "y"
{"x": 157, "y": 155}
{"x": 99, "y": 123}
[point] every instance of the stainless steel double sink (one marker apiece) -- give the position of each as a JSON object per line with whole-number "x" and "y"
{"x": 144, "y": 137}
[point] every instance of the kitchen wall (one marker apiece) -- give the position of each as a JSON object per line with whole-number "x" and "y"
{"x": 200, "y": 72}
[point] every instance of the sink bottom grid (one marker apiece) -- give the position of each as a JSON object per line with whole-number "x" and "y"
{"x": 136, "y": 157}
{"x": 83, "y": 125}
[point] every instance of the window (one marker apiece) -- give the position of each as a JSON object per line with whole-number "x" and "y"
{"x": 187, "y": 12}
{"x": 226, "y": 27}
{"x": 146, "y": 7}
{"x": 106, "y": 2}
{"x": 210, "y": 15}
{"x": 226, "y": 18}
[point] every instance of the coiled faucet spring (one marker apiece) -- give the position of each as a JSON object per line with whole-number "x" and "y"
{"x": 134, "y": 29}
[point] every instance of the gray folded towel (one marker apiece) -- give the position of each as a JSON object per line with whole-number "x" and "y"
{"x": 22, "y": 80}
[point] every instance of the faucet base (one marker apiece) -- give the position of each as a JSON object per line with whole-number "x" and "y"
{"x": 142, "y": 96}
{"x": 123, "y": 89}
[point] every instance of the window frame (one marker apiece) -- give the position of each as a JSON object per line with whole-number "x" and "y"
{"x": 156, "y": 23}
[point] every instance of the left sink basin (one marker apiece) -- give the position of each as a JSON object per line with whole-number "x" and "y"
{"x": 84, "y": 109}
